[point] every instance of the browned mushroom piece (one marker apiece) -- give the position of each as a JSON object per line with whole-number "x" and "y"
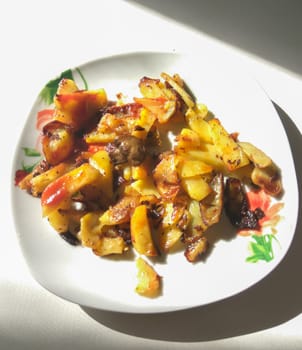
{"x": 127, "y": 149}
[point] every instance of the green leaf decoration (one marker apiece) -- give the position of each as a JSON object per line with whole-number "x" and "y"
{"x": 261, "y": 248}
{"x": 29, "y": 167}
{"x": 82, "y": 77}
{"x": 31, "y": 152}
{"x": 48, "y": 92}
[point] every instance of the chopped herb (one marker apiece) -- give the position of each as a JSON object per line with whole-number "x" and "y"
{"x": 48, "y": 92}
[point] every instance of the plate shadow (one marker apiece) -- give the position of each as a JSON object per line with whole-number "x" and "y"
{"x": 272, "y": 301}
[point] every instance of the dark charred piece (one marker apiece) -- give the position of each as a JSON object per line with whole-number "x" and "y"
{"x": 126, "y": 149}
{"x": 70, "y": 238}
{"x": 237, "y": 206}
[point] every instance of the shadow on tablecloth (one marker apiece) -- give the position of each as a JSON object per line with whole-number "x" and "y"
{"x": 272, "y": 301}
{"x": 269, "y": 29}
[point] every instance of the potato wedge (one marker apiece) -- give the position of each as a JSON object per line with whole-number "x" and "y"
{"x": 40, "y": 182}
{"x": 59, "y": 191}
{"x": 145, "y": 187}
{"x": 230, "y": 152}
{"x": 197, "y": 123}
{"x": 187, "y": 139}
{"x": 166, "y": 178}
{"x": 101, "y": 161}
{"x": 169, "y": 237}
{"x": 196, "y": 225}
{"x": 180, "y": 90}
{"x": 207, "y": 153}
{"x": 148, "y": 281}
{"x": 67, "y": 86}
{"x": 109, "y": 246}
{"x": 191, "y": 167}
{"x": 196, "y": 248}
{"x": 196, "y": 187}
{"x": 161, "y": 107}
{"x": 141, "y": 235}
{"x": 59, "y": 221}
{"x": 143, "y": 124}
{"x": 258, "y": 157}
{"x": 58, "y": 142}
{"x": 119, "y": 213}
{"x": 90, "y": 230}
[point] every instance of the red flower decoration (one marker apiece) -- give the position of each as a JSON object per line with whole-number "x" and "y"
{"x": 261, "y": 200}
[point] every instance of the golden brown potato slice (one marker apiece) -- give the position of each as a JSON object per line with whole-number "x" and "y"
{"x": 179, "y": 89}
{"x": 169, "y": 237}
{"x": 58, "y": 142}
{"x": 60, "y": 190}
{"x": 90, "y": 230}
{"x": 110, "y": 245}
{"x": 258, "y": 157}
{"x": 191, "y": 167}
{"x": 196, "y": 187}
{"x": 166, "y": 177}
{"x": 196, "y": 248}
{"x": 141, "y": 235}
{"x": 67, "y": 86}
{"x": 40, "y": 182}
{"x": 148, "y": 281}
{"x": 187, "y": 139}
{"x": 230, "y": 152}
{"x": 197, "y": 123}
{"x": 161, "y": 107}
{"x": 101, "y": 161}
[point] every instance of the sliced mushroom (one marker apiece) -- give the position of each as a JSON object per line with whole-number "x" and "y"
{"x": 127, "y": 149}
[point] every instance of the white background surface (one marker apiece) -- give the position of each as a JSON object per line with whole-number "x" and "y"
{"x": 41, "y": 39}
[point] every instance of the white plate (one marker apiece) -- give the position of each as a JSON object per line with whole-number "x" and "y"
{"x": 74, "y": 273}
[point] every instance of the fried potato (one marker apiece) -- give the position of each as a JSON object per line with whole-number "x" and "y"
{"x": 146, "y": 175}
{"x": 77, "y": 108}
{"x": 187, "y": 167}
{"x": 230, "y": 151}
{"x": 258, "y": 157}
{"x": 141, "y": 235}
{"x": 148, "y": 281}
{"x": 40, "y": 182}
{"x": 101, "y": 161}
{"x": 196, "y": 187}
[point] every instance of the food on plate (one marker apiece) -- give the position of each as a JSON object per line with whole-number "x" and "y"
{"x": 148, "y": 281}
{"x": 112, "y": 180}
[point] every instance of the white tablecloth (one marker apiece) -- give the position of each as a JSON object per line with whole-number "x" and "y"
{"x": 40, "y": 39}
